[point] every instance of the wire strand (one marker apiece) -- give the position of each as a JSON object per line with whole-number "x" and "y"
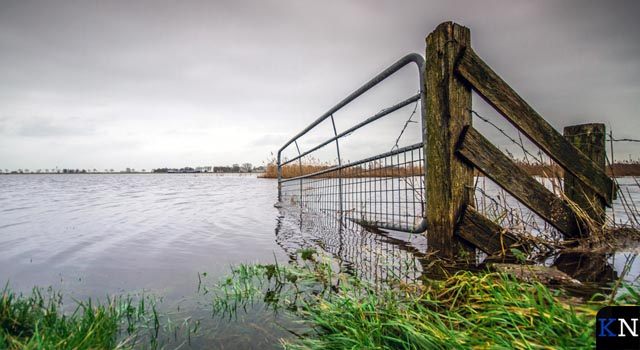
{"x": 406, "y": 124}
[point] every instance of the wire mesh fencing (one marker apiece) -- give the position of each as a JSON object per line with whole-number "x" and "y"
{"x": 385, "y": 191}
{"x": 374, "y": 256}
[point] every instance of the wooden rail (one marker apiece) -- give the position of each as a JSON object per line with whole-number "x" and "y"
{"x": 498, "y": 167}
{"x": 506, "y": 101}
{"x": 454, "y": 148}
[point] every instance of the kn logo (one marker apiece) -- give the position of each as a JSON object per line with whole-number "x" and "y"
{"x": 617, "y": 328}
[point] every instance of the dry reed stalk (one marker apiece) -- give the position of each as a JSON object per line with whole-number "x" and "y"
{"x": 368, "y": 170}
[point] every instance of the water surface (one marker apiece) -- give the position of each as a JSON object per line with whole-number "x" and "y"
{"x": 92, "y": 235}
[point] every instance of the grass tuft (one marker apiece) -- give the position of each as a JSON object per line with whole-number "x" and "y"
{"x": 38, "y": 321}
{"x": 465, "y": 311}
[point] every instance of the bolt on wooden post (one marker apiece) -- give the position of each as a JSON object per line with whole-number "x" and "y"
{"x": 590, "y": 140}
{"x": 448, "y": 106}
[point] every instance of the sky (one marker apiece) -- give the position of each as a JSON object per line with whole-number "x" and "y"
{"x": 150, "y": 84}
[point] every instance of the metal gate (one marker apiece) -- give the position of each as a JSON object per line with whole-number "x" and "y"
{"x": 385, "y": 190}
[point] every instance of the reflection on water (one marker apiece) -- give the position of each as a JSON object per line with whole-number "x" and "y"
{"x": 368, "y": 253}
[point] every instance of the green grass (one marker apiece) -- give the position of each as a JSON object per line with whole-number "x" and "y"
{"x": 465, "y": 311}
{"x": 38, "y": 321}
{"x": 334, "y": 311}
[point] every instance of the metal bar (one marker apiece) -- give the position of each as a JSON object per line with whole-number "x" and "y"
{"x": 393, "y": 198}
{"x": 366, "y": 189}
{"x": 335, "y": 132}
{"x": 386, "y": 194}
{"x": 413, "y": 181}
{"x": 419, "y": 228}
{"x": 362, "y": 161}
{"x": 412, "y": 57}
{"x": 369, "y": 120}
{"x": 300, "y": 163}
{"x": 279, "y": 179}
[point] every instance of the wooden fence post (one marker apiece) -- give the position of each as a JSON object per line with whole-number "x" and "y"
{"x": 590, "y": 140}
{"x": 448, "y": 106}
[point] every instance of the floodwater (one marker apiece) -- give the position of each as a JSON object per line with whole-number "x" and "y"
{"x": 93, "y": 235}
{"x": 97, "y": 235}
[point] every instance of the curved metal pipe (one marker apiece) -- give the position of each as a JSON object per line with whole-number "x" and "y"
{"x": 412, "y": 57}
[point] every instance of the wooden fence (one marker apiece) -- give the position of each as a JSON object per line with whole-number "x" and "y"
{"x": 454, "y": 148}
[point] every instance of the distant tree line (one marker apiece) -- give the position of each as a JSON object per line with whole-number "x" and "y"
{"x": 235, "y": 168}
{"x": 63, "y": 171}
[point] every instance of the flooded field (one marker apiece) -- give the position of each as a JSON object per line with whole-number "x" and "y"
{"x": 99, "y": 235}
{"x": 170, "y": 235}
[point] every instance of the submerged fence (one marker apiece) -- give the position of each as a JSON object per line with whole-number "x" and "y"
{"x": 374, "y": 256}
{"x": 430, "y": 185}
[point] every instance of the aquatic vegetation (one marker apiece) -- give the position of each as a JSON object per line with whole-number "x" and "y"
{"x": 465, "y": 310}
{"x": 39, "y": 321}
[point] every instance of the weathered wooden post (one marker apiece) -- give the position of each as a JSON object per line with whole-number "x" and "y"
{"x": 448, "y": 106}
{"x": 590, "y": 140}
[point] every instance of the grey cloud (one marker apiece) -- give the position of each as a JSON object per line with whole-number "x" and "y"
{"x": 268, "y": 68}
{"x": 271, "y": 140}
{"x": 43, "y": 127}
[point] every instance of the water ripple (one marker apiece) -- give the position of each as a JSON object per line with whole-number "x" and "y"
{"x": 131, "y": 223}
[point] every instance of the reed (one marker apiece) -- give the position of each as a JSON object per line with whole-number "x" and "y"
{"x": 617, "y": 169}
{"x": 630, "y": 168}
{"x": 372, "y": 169}
{"x": 292, "y": 170}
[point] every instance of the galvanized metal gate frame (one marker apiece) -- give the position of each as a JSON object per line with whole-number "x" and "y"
{"x": 419, "y": 61}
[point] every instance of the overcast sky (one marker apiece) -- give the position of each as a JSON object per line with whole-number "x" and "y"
{"x": 147, "y": 84}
